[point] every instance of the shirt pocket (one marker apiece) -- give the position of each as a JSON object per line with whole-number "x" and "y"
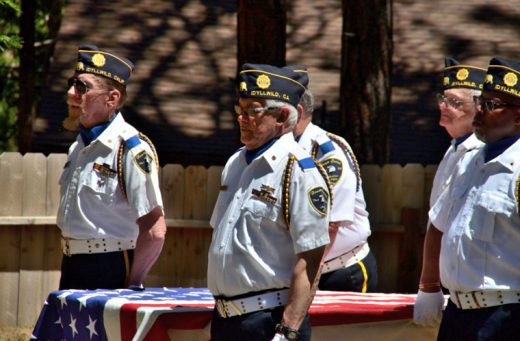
{"x": 256, "y": 210}
{"x": 489, "y": 207}
{"x": 101, "y": 185}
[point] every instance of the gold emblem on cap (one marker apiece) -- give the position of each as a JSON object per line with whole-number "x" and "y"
{"x": 446, "y": 81}
{"x": 510, "y": 79}
{"x": 243, "y": 86}
{"x": 80, "y": 66}
{"x": 98, "y": 59}
{"x": 462, "y": 74}
{"x": 263, "y": 81}
{"x": 489, "y": 79}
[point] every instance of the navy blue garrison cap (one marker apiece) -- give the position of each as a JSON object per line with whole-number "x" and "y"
{"x": 458, "y": 75}
{"x": 502, "y": 76}
{"x": 270, "y": 82}
{"x": 91, "y": 59}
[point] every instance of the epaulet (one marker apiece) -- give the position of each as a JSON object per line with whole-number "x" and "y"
{"x": 128, "y": 143}
{"x": 304, "y": 160}
{"x": 324, "y": 144}
{"x": 350, "y": 156}
{"x": 286, "y": 181}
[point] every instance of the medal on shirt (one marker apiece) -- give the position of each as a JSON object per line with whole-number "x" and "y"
{"x": 265, "y": 193}
{"x": 104, "y": 169}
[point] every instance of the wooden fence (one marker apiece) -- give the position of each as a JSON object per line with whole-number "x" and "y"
{"x": 30, "y": 241}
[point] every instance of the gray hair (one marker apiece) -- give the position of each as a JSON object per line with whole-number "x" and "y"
{"x": 293, "y": 113}
{"x": 307, "y": 102}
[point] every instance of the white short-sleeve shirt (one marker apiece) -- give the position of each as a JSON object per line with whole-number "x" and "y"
{"x": 92, "y": 204}
{"x": 481, "y": 224}
{"x": 449, "y": 165}
{"x": 349, "y": 206}
{"x": 252, "y": 248}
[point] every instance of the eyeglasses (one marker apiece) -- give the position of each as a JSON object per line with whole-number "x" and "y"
{"x": 490, "y": 105}
{"x": 451, "y": 102}
{"x": 80, "y": 86}
{"x": 252, "y": 111}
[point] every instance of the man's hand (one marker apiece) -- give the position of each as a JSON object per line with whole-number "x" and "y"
{"x": 427, "y": 310}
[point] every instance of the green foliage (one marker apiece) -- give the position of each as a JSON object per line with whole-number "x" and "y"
{"x": 10, "y": 43}
{"x": 10, "y": 46}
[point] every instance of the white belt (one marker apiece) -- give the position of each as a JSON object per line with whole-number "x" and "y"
{"x": 483, "y": 299}
{"x": 239, "y": 306}
{"x": 102, "y": 245}
{"x": 347, "y": 259}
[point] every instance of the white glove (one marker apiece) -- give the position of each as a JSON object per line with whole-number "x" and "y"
{"x": 427, "y": 310}
{"x": 279, "y": 337}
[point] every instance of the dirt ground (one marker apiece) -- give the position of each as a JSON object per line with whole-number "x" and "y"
{"x": 15, "y": 333}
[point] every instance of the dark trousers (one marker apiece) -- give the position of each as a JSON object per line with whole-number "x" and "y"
{"x": 96, "y": 271}
{"x": 501, "y": 323}
{"x": 257, "y": 326}
{"x": 360, "y": 277}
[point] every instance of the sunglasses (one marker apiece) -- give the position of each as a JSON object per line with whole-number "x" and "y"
{"x": 490, "y": 105}
{"x": 80, "y": 86}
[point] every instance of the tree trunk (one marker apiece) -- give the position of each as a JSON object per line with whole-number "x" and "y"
{"x": 27, "y": 76}
{"x": 261, "y": 32}
{"x": 365, "y": 77}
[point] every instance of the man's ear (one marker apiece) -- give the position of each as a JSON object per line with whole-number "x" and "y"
{"x": 299, "y": 107}
{"x": 114, "y": 96}
{"x": 284, "y": 115}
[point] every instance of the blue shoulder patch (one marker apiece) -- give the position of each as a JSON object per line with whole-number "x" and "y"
{"x": 307, "y": 163}
{"x": 326, "y": 147}
{"x": 133, "y": 141}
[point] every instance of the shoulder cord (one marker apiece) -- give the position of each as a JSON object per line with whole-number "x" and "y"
{"x": 286, "y": 183}
{"x": 350, "y": 155}
{"x": 120, "y": 161}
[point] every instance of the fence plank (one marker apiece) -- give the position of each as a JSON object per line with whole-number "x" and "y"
{"x": 9, "y": 275}
{"x": 11, "y": 165}
{"x": 195, "y": 187}
{"x": 214, "y": 175}
{"x": 172, "y": 189}
{"x": 33, "y": 239}
{"x": 55, "y": 163}
{"x": 412, "y": 192}
{"x": 183, "y": 260}
{"x": 34, "y": 190}
{"x": 372, "y": 176}
{"x": 392, "y": 193}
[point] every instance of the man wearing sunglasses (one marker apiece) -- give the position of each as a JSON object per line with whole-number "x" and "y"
{"x": 271, "y": 217}
{"x": 479, "y": 223}
{"x": 110, "y": 211}
{"x": 460, "y": 84}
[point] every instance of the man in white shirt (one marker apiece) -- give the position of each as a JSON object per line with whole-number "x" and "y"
{"x": 479, "y": 223}
{"x": 460, "y": 84}
{"x": 110, "y": 211}
{"x": 271, "y": 217}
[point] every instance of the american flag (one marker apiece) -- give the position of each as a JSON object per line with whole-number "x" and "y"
{"x": 113, "y": 314}
{"x": 174, "y": 313}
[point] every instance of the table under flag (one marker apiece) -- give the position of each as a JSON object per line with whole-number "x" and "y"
{"x": 185, "y": 313}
